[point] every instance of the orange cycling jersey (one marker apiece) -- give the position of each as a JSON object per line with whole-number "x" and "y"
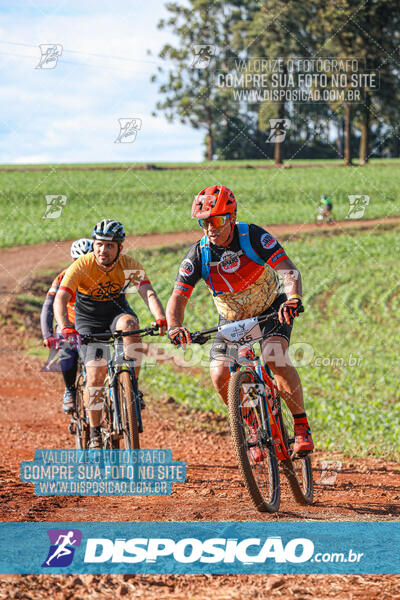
{"x": 53, "y": 291}
{"x": 93, "y": 287}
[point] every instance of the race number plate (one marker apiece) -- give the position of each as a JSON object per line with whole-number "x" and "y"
{"x": 242, "y": 332}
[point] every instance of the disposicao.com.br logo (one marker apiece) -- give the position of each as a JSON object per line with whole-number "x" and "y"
{"x": 168, "y": 553}
{"x": 190, "y": 550}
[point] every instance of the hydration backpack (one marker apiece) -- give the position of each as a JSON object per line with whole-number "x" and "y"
{"x": 245, "y": 245}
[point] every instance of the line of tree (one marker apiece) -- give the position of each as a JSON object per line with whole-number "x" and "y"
{"x": 368, "y": 31}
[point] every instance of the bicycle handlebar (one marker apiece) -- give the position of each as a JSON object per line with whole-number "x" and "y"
{"x": 110, "y": 337}
{"x": 203, "y": 336}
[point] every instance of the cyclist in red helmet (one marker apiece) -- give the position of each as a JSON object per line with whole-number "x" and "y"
{"x": 240, "y": 264}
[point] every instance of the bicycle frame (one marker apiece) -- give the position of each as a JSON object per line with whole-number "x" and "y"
{"x": 268, "y": 405}
{"x": 263, "y": 376}
{"x": 115, "y": 365}
{"x": 270, "y": 431}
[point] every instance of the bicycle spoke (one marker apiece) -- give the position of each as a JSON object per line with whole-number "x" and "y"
{"x": 297, "y": 471}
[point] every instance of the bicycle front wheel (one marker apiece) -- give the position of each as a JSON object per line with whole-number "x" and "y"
{"x": 255, "y": 453}
{"x": 299, "y": 470}
{"x": 128, "y": 411}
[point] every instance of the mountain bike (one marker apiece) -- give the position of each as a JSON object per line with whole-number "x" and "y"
{"x": 121, "y": 421}
{"x": 321, "y": 217}
{"x": 260, "y": 422}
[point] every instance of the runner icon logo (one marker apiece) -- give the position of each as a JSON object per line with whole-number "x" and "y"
{"x": 278, "y": 130}
{"x": 50, "y": 53}
{"x": 203, "y": 54}
{"x": 62, "y": 542}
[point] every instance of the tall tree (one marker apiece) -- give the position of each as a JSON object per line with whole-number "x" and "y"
{"x": 278, "y": 30}
{"x": 368, "y": 31}
{"x": 190, "y": 94}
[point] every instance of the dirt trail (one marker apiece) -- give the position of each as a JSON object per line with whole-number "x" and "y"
{"x": 365, "y": 490}
{"x": 19, "y": 264}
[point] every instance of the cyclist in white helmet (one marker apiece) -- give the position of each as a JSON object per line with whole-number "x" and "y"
{"x": 51, "y": 339}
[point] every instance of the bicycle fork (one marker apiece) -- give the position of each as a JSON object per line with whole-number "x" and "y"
{"x": 131, "y": 364}
{"x": 128, "y": 364}
{"x": 263, "y": 400}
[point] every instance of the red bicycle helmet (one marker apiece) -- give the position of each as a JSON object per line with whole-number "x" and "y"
{"x": 213, "y": 200}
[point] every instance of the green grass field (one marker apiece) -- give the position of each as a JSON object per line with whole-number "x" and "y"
{"x": 160, "y": 201}
{"x": 341, "y": 343}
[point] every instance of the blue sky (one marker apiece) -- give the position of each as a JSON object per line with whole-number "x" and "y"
{"x": 70, "y": 113}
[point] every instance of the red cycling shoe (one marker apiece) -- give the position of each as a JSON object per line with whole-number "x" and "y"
{"x": 303, "y": 442}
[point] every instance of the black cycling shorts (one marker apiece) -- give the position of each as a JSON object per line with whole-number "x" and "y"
{"x": 221, "y": 348}
{"x": 91, "y": 324}
{"x": 94, "y": 323}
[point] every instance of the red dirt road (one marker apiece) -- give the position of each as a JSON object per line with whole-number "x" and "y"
{"x": 365, "y": 490}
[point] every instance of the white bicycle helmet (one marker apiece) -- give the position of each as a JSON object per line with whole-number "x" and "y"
{"x": 109, "y": 230}
{"x": 81, "y": 247}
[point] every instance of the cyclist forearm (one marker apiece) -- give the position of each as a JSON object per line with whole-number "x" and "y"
{"x": 176, "y": 310}
{"x": 46, "y": 316}
{"x": 60, "y": 309}
{"x": 155, "y": 306}
{"x": 153, "y": 302}
{"x": 291, "y": 278}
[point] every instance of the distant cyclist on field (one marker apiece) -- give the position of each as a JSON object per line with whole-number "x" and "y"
{"x": 239, "y": 263}
{"x": 51, "y": 339}
{"x": 326, "y": 206}
{"x": 98, "y": 282}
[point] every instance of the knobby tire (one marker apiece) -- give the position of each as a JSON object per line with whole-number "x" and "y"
{"x": 266, "y": 498}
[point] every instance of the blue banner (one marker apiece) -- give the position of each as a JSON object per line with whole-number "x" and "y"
{"x": 190, "y": 548}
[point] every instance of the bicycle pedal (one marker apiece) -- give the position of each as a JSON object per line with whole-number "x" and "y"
{"x": 300, "y": 455}
{"x": 141, "y": 400}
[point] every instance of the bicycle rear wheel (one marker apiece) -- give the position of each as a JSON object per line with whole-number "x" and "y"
{"x": 260, "y": 476}
{"x": 128, "y": 411}
{"x": 299, "y": 470}
{"x": 80, "y": 423}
